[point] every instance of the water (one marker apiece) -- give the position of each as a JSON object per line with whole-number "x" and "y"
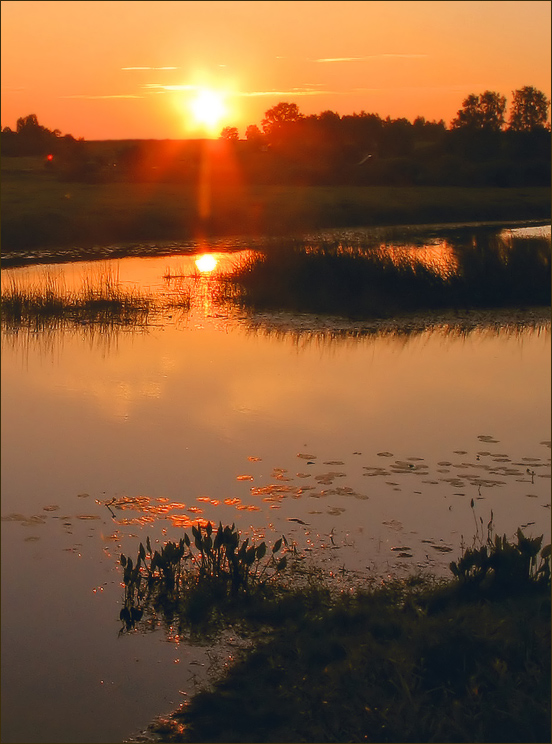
{"x": 352, "y": 444}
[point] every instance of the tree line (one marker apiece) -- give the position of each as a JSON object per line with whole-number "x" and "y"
{"x": 528, "y": 112}
{"x": 484, "y": 145}
{"x": 31, "y": 138}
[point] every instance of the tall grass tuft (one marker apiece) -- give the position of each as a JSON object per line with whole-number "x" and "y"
{"x": 101, "y": 301}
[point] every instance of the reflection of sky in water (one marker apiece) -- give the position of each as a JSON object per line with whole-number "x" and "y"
{"x": 367, "y": 451}
{"x": 172, "y": 415}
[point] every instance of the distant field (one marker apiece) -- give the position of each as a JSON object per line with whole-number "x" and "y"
{"x": 40, "y": 211}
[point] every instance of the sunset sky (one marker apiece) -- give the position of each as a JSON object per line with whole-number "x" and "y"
{"x": 140, "y": 70}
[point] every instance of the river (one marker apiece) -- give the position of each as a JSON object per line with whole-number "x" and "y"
{"x": 363, "y": 444}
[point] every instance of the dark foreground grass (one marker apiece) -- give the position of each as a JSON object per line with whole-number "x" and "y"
{"x": 416, "y": 660}
{"x": 41, "y": 212}
{"x": 391, "y": 665}
{"x": 345, "y": 280}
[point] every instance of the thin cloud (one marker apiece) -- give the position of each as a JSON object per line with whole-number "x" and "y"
{"x": 292, "y": 92}
{"x": 123, "y": 95}
{"x": 369, "y": 57}
{"x": 158, "y": 87}
{"x": 150, "y": 68}
{"x": 299, "y": 91}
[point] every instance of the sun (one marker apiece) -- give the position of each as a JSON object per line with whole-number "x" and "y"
{"x": 208, "y": 109}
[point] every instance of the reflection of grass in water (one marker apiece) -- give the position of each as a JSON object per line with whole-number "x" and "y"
{"x": 100, "y": 302}
{"x": 312, "y": 330}
{"x": 343, "y": 280}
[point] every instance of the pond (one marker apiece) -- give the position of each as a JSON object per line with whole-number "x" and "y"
{"x": 362, "y": 443}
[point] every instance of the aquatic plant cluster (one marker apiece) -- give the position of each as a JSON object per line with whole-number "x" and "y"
{"x": 195, "y": 586}
{"x": 500, "y": 566}
{"x": 466, "y": 659}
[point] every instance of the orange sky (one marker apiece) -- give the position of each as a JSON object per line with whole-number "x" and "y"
{"x": 118, "y": 70}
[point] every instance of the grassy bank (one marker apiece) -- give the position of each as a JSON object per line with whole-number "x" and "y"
{"x": 386, "y": 666}
{"x": 459, "y": 660}
{"x": 38, "y": 211}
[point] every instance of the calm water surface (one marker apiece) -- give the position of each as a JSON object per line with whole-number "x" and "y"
{"x": 351, "y": 444}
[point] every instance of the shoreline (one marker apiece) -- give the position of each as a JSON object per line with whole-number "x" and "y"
{"x": 17, "y": 258}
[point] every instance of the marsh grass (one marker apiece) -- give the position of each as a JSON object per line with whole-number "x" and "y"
{"x": 101, "y": 301}
{"x": 414, "y": 660}
{"x": 344, "y": 280}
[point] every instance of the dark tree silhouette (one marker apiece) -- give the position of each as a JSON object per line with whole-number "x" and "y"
{"x": 254, "y": 136}
{"x": 282, "y": 113}
{"x": 33, "y": 139}
{"x": 485, "y": 111}
{"x": 230, "y": 133}
{"x": 253, "y": 132}
{"x": 529, "y": 110}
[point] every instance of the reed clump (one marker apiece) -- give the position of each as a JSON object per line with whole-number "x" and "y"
{"x": 101, "y": 300}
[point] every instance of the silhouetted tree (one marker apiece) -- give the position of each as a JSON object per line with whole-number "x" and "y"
{"x": 397, "y": 137}
{"x": 230, "y": 133}
{"x": 255, "y": 138}
{"x": 253, "y": 133}
{"x": 529, "y": 110}
{"x": 330, "y": 120}
{"x": 33, "y": 139}
{"x": 485, "y": 111}
{"x": 282, "y": 113}
{"x": 26, "y": 124}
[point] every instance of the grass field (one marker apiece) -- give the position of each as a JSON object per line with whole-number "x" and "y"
{"x": 39, "y": 211}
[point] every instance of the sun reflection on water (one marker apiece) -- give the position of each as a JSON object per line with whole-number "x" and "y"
{"x": 206, "y": 263}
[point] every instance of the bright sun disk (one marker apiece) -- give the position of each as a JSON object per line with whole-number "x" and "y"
{"x": 208, "y": 108}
